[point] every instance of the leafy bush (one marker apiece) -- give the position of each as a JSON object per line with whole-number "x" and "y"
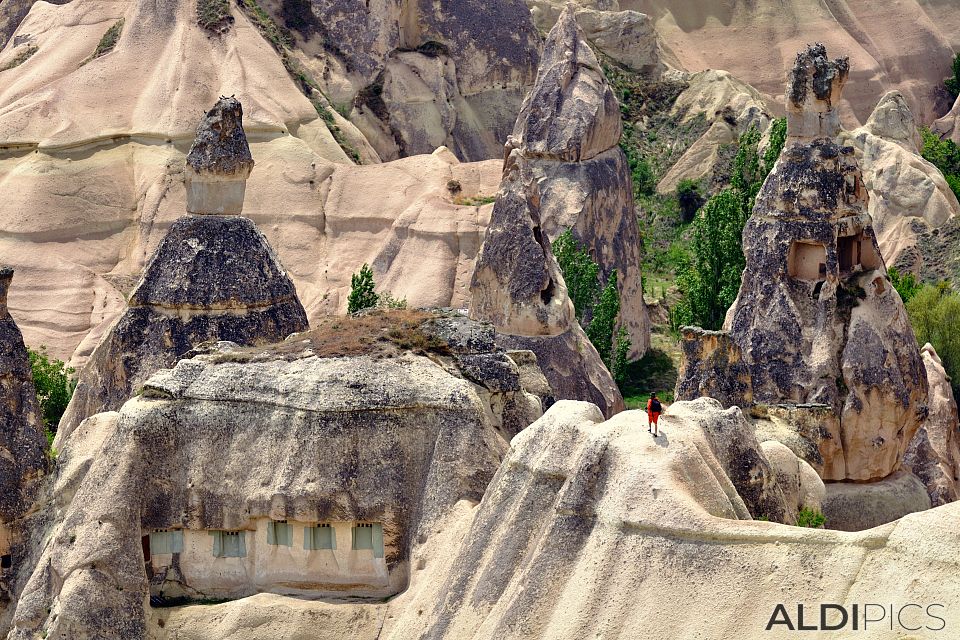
{"x": 362, "y": 294}
{"x": 953, "y": 84}
{"x": 214, "y": 15}
{"x": 21, "y": 57}
{"x": 580, "y": 273}
{"x": 935, "y": 315}
{"x": 605, "y": 312}
{"x": 944, "y": 154}
{"x": 905, "y": 284}
{"x": 810, "y": 518}
{"x": 107, "y": 42}
{"x": 710, "y": 282}
{"x": 54, "y": 382}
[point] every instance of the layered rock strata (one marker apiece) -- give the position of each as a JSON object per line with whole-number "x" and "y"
{"x": 816, "y": 321}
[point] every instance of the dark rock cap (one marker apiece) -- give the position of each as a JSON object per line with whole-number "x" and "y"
{"x": 220, "y": 147}
{"x": 6, "y": 275}
{"x": 813, "y": 92}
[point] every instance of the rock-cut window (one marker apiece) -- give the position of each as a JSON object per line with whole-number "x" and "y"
{"x": 166, "y": 541}
{"x": 368, "y": 535}
{"x": 319, "y": 537}
{"x": 280, "y": 533}
{"x": 229, "y": 544}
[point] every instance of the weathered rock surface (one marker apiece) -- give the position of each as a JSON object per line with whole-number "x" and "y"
{"x": 567, "y": 138}
{"x": 908, "y": 195}
{"x": 801, "y": 486}
{"x": 855, "y": 506}
{"x": 424, "y": 74}
{"x": 934, "y": 453}
{"x": 23, "y": 460}
{"x": 948, "y": 126}
{"x": 730, "y": 107}
{"x": 816, "y": 319}
{"x": 396, "y": 441}
{"x": 626, "y": 37}
{"x": 905, "y": 46}
{"x": 517, "y": 286}
{"x": 212, "y": 278}
{"x": 219, "y": 161}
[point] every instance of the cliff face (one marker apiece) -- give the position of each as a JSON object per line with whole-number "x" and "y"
{"x": 267, "y": 440}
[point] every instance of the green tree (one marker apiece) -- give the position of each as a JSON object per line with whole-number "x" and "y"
{"x": 605, "y": 312}
{"x": 953, "y": 84}
{"x": 711, "y": 282}
{"x": 580, "y": 273}
{"x": 935, "y": 315}
{"x": 778, "y": 138}
{"x": 362, "y": 294}
{"x": 620, "y": 359}
{"x": 906, "y": 284}
{"x": 54, "y": 382}
{"x": 944, "y": 155}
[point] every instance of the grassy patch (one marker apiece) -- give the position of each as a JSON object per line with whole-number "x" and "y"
{"x": 475, "y": 201}
{"x": 107, "y": 42}
{"x": 214, "y": 15}
{"x": 656, "y": 372}
{"x": 810, "y": 518}
{"x": 381, "y": 333}
{"x": 21, "y": 57}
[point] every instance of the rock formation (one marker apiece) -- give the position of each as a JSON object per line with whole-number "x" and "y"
{"x": 390, "y": 440}
{"x": 817, "y": 324}
{"x": 213, "y": 277}
{"x": 563, "y": 170}
{"x": 566, "y": 141}
{"x": 934, "y": 453}
{"x": 425, "y": 74}
{"x": 909, "y": 197}
{"x": 22, "y": 444}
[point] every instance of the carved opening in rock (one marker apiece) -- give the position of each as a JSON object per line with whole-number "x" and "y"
{"x": 807, "y": 261}
{"x": 6, "y": 561}
{"x": 547, "y": 294}
{"x": 145, "y": 547}
{"x": 879, "y": 285}
{"x": 237, "y": 564}
{"x": 279, "y": 533}
{"x": 319, "y": 538}
{"x": 856, "y": 253}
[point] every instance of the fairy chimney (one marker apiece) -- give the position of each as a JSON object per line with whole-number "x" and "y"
{"x": 219, "y": 162}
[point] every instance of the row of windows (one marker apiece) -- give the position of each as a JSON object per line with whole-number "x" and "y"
{"x": 232, "y": 544}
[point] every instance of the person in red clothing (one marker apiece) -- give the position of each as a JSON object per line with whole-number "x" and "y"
{"x": 654, "y": 408}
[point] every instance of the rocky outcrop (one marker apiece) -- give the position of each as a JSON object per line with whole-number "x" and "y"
{"x": 23, "y": 460}
{"x": 854, "y": 506}
{"x": 626, "y": 37}
{"x": 947, "y": 126}
{"x": 908, "y": 196}
{"x": 394, "y": 441}
{"x": 816, "y": 319}
{"x": 729, "y": 106}
{"x": 567, "y": 139}
{"x": 425, "y": 74}
{"x": 934, "y": 453}
{"x": 213, "y": 277}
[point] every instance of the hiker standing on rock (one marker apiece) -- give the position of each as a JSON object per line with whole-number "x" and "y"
{"x": 654, "y": 408}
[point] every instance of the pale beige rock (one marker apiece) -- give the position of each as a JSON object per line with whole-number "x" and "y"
{"x": 934, "y": 453}
{"x": 854, "y": 506}
{"x": 947, "y": 126}
{"x": 905, "y": 46}
{"x": 801, "y": 486}
{"x": 627, "y": 37}
{"x": 905, "y": 190}
{"x": 730, "y": 106}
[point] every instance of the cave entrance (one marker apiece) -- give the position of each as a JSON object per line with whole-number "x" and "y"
{"x": 807, "y": 261}
{"x": 856, "y": 253}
